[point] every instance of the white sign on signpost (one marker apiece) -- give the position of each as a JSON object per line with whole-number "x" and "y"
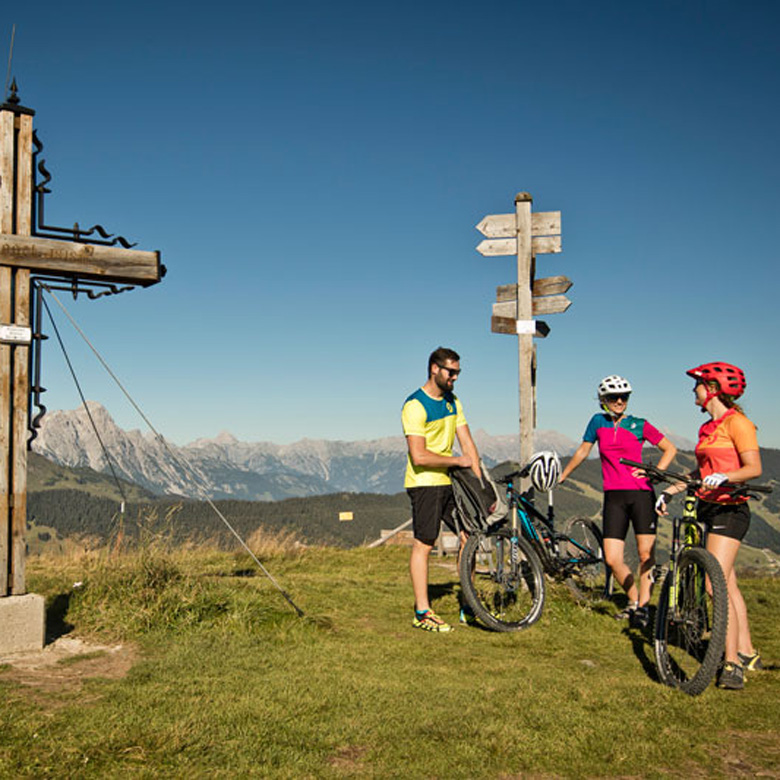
{"x": 15, "y": 334}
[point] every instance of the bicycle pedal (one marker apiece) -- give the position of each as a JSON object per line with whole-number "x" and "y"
{"x": 659, "y": 573}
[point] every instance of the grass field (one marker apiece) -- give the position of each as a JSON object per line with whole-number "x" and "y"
{"x": 220, "y": 678}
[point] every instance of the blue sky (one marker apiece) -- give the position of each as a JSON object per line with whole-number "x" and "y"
{"x": 312, "y": 174}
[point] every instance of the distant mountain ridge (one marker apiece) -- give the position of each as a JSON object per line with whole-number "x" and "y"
{"x": 225, "y": 467}
{"x": 318, "y": 479}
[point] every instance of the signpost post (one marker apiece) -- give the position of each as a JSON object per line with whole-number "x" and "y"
{"x": 29, "y": 249}
{"x": 525, "y": 234}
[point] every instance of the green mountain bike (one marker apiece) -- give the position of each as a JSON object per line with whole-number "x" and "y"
{"x": 692, "y": 615}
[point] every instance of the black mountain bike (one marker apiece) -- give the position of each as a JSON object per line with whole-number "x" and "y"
{"x": 692, "y": 615}
{"x": 502, "y": 568}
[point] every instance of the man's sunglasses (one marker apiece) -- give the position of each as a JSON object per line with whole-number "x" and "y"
{"x": 616, "y": 397}
{"x": 450, "y": 371}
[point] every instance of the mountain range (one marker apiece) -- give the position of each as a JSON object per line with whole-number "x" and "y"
{"x": 224, "y": 467}
{"x": 301, "y": 486}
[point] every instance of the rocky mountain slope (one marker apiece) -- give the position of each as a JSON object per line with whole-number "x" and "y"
{"x": 225, "y": 467}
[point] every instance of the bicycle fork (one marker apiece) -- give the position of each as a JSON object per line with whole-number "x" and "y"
{"x": 514, "y": 547}
{"x": 691, "y": 538}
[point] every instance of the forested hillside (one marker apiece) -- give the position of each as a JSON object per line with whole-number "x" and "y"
{"x": 313, "y": 520}
{"x": 81, "y": 502}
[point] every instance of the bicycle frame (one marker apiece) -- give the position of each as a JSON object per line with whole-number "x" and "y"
{"x": 691, "y": 537}
{"x": 521, "y": 509}
{"x": 540, "y": 531}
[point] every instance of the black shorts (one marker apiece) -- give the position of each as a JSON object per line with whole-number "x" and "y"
{"x": 431, "y": 505}
{"x": 732, "y": 520}
{"x": 622, "y": 506}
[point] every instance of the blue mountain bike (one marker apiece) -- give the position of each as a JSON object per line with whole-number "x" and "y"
{"x": 502, "y": 569}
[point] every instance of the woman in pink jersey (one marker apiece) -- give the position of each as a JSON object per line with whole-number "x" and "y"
{"x": 727, "y": 451}
{"x": 628, "y": 498}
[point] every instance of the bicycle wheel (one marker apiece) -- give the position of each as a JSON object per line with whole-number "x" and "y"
{"x": 690, "y": 625}
{"x": 502, "y": 580}
{"x": 588, "y": 576}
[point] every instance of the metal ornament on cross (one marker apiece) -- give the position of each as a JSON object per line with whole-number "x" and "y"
{"x": 34, "y": 255}
{"x": 525, "y": 234}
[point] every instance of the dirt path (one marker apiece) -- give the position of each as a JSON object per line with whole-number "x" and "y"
{"x": 64, "y": 665}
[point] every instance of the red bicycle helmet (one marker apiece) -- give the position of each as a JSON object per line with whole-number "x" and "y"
{"x": 730, "y": 379}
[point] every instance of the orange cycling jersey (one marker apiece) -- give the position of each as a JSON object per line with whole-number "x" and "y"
{"x": 720, "y": 443}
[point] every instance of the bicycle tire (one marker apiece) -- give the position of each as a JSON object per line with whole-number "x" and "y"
{"x": 589, "y": 578}
{"x": 690, "y": 635}
{"x": 503, "y": 596}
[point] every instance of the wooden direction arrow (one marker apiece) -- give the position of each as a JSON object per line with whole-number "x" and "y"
{"x": 551, "y": 304}
{"x": 550, "y": 285}
{"x": 540, "y": 245}
{"x": 543, "y": 223}
{"x": 83, "y": 260}
{"x": 513, "y": 327}
{"x": 548, "y": 304}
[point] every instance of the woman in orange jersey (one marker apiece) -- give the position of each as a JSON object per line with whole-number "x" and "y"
{"x": 727, "y": 451}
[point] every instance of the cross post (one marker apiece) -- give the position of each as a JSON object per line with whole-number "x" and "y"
{"x": 29, "y": 248}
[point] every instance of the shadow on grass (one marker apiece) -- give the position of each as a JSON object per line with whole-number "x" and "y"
{"x": 642, "y": 645}
{"x": 56, "y": 625}
{"x": 440, "y": 590}
{"x": 599, "y": 607}
{"x": 239, "y": 573}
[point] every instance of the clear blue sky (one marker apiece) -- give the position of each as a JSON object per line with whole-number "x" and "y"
{"x": 312, "y": 174}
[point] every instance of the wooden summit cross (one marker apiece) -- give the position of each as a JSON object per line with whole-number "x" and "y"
{"x": 35, "y": 255}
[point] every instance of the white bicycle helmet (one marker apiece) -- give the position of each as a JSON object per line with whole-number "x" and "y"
{"x": 544, "y": 470}
{"x": 613, "y": 384}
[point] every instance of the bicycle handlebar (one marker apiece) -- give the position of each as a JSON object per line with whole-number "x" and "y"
{"x": 736, "y": 488}
{"x": 507, "y": 478}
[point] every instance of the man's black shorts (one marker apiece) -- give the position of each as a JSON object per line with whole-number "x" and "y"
{"x": 732, "y": 520}
{"x": 431, "y": 505}
{"x": 622, "y": 506}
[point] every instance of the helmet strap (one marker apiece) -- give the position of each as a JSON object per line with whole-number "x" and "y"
{"x": 608, "y": 412}
{"x": 710, "y": 395}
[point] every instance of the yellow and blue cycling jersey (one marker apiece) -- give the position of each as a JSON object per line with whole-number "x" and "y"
{"x": 436, "y": 420}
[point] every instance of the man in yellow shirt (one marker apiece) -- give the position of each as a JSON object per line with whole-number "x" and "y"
{"x": 432, "y": 417}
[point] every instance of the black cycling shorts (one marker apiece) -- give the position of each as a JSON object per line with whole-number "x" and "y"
{"x": 732, "y": 520}
{"x": 431, "y": 505}
{"x": 622, "y": 506}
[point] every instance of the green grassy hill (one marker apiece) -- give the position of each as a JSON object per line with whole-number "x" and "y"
{"x": 44, "y": 475}
{"x": 203, "y": 670}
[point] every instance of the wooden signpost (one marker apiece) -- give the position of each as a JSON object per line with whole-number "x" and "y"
{"x": 28, "y": 249}
{"x": 525, "y": 235}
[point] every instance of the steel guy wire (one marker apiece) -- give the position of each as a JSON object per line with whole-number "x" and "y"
{"x": 180, "y": 460}
{"x": 86, "y": 407}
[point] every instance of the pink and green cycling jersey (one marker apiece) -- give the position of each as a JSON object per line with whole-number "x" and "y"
{"x": 621, "y": 440}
